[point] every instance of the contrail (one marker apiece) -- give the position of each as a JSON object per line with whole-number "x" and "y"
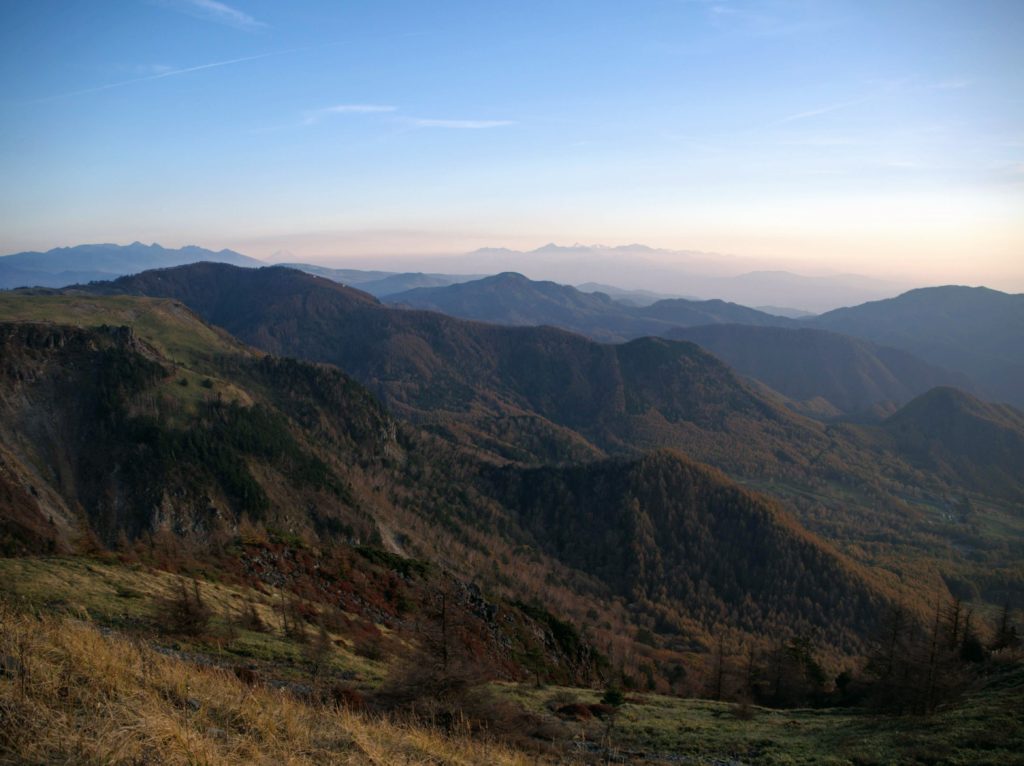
{"x": 212, "y": 65}
{"x": 161, "y": 75}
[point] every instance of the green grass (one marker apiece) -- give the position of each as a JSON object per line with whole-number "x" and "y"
{"x": 189, "y": 345}
{"x": 128, "y": 598}
{"x": 986, "y": 728}
{"x": 167, "y": 325}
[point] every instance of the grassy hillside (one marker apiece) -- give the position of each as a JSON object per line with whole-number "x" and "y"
{"x": 78, "y": 695}
{"x": 73, "y": 691}
{"x": 986, "y": 728}
{"x": 171, "y": 328}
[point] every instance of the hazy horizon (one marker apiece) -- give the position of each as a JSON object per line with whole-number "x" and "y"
{"x": 879, "y": 139}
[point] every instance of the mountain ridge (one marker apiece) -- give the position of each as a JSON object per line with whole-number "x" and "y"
{"x": 448, "y": 371}
{"x": 63, "y": 266}
{"x": 513, "y": 299}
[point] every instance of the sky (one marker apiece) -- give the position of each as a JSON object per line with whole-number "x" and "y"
{"x": 879, "y": 138}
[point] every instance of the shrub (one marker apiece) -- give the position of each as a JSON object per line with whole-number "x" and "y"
{"x": 185, "y": 613}
{"x": 575, "y": 710}
{"x": 613, "y": 697}
{"x": 347, "y": 697}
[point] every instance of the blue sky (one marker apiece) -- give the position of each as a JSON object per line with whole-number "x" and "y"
{"x": 876, "y": 137}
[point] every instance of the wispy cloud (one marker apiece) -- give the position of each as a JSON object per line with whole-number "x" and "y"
{"x": 422, "y": 122}
{"x": 218, "y": 12}
{"x": 953, "y": 83}
{"x": 144, "y": 70}
{"x": 317, "y": 115}
{"x": 158, "y": 76}
{"x": 885, "y": 87}
{"x": 314, "y": 116}
{"x": 359, "y": 109}
{"x": 766, "y": 18}
{"x": 818, "y": 111}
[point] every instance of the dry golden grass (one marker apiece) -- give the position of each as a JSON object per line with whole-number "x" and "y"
{"x": 70, "y": 693}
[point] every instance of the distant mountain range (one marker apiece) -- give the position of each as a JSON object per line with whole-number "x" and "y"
{"x": 87, "y": 263}
{"x": 975, "y": 333}
{"x": 673, "y": 272}
{"x": 381, "y": 283}
{"x": 628, "y": 297}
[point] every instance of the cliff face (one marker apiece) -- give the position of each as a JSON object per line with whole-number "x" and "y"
{"x": 62, "y": 395}
{"x": 101, "y": 436}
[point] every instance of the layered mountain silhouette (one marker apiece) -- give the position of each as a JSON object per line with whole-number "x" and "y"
{"x": 381, "y": 283}
{"x": 522, "y": 393}
{"x": 513, "y": 299}
{"x": 829, "y": 374}
{"x": 85, "y": 263}
{"x": 975, "y": 331}
{"x": 676, "y": 272}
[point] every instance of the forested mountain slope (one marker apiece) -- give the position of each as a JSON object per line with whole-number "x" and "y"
{"x": 950, "y": 431}
{"x": 682, "y": 543}
{"x": 112, "y": 434}
{"x": 523, "y": 393}
{"x": 540, "y": 395}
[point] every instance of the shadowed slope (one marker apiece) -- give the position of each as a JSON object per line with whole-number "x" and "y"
{"x": 805, "y": 363}
{"x": 950, "y": 431}
{"x": 971, "y": 330}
